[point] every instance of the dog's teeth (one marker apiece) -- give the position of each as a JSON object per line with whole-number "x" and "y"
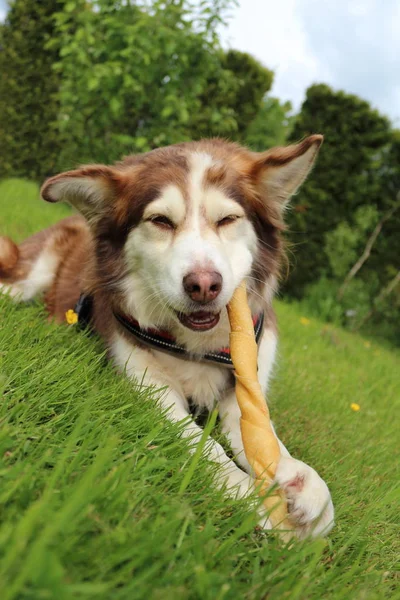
{"x": 202, "y": 319}
{"x": 199, "y": 321}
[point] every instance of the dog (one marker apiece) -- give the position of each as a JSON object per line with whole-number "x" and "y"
{"x": 160, "y": 242}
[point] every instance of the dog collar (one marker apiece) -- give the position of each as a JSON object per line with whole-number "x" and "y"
{"x": 159, "y": 339}
{"x": 162, "y": 340}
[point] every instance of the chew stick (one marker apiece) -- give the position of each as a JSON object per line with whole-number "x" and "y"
{"x": 259, "y": 440}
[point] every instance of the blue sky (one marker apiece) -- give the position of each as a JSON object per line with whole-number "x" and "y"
{"x": 352, "y": 45}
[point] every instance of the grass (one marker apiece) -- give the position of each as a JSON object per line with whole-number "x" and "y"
{"x": 95, "y": 497}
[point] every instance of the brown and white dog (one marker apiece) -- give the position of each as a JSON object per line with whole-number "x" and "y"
{"x": 163, "y": 241}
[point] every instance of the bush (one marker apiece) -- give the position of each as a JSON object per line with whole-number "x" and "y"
{"x": 28, "y": 106}
{"x": 346, "y": 177}
{"x": 321, "y": 300}
{"x": 271, "y": 126}
{"x": 125, "y": 90}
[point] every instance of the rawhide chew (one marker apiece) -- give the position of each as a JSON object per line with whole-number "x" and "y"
{"x": 259, "y": 440}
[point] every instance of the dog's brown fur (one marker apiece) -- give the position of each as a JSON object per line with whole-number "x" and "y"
{"x": 226, "y": 206}
{"x": 89, "y": 257}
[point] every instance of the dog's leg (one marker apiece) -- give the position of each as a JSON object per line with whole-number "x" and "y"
{"x": 309, "y": 500}
{"x": 38, "y": 279}
{"x": 140, "y": 366}
{"x": 30, "y": 269}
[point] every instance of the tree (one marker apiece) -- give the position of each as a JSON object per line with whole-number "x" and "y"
{"x": 271, "y": 126}
{"x": 360, "y": 262}
{"x": 125, "y": 90}
{"x": 345, "y": 222}
{"x": 347, "y": 175}
{"x": 253, "y": 81}
{"x": 233, "y": 87}
{"x": 28, "y": 85}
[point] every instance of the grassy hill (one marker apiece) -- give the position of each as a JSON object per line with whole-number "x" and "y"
{"x": 97, "y": 495}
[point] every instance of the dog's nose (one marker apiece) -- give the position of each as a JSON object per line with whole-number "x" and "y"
{"x": 202, "y": 286}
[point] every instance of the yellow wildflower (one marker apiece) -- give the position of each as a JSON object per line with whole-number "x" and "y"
{"x": 367, "y": 344}
{"x": 304, "y": 321}
{"x": 71, "y": 317}
{"x": 354, "y": 406}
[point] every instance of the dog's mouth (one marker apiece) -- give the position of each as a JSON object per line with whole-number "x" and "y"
{"x": 200, "y": 320}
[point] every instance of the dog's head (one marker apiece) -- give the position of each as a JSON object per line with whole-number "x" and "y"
{"x": 177, "y": 229}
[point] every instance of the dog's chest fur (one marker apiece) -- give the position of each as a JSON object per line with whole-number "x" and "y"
{"x": 202, "y": 383}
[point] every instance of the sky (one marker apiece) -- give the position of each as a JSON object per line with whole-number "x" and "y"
{"x": 353, "y": 45}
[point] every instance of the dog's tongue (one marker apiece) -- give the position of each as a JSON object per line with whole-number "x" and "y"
{"x": 200, "y": 320}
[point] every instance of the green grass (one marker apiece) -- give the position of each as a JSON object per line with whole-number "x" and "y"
{"x": 22, "y": 212}
{"x": 95, "y": 501}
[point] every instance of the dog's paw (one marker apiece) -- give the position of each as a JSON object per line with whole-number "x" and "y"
{"x": 309, "y": 501}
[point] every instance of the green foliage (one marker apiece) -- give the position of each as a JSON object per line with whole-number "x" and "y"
{"x": 355, "y": 135}
{"x": 28, "y": 106}
{"x": 126, "y": 90}
{"x": 271, "y": 126}
{"x": 250, "y": 83}
{"x": 344, "y": 245}
{"x": 385, "y": 187}
{"x": 353, "y": 186}
{"x": 321, "y": 300}
{"x": 93, "y": 81}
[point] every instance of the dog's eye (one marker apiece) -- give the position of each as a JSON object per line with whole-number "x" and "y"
{"x": 227, "y": 220}
{"x": 162, "y": 221}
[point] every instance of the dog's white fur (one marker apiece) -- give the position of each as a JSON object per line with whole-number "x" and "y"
{"x": 157, "y": 267}
{"x": 153, "y": 291}
{"x": 39, "y": 280}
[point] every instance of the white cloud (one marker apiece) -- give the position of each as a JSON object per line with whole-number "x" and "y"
{"x": 350, "y": 44}
{"x": 273, "y": 33}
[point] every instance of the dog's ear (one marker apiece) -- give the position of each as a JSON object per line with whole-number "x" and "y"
{"x": 89, "y": 189}
{"x": 281, "y": 171}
